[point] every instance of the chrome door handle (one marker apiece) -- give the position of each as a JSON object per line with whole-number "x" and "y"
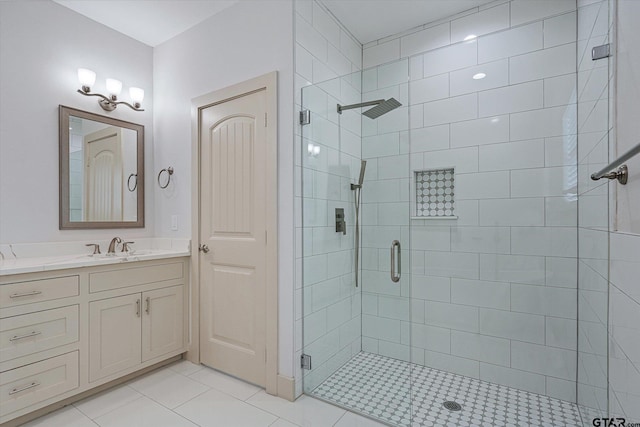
{"x": 138, "y": 307}
{"x": 148, "y": 301}
{"x": 21, "y": 337}
{"x": 395, "y": 248}
{"x": 203, "y": 248}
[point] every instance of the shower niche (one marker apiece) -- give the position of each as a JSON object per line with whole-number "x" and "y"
{"x": 434, "y": 196}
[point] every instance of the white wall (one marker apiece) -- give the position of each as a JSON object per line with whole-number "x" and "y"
{"x": 246, "y": 40}
{"x": 42, "y": 44}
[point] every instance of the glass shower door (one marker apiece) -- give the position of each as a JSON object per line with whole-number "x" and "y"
{"x": 355, "y": 309}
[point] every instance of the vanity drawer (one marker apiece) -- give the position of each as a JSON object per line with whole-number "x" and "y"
{"x": 31, "y": 333}
{"x": 31, "y": 384}
{"x": 115, "y": 279}
{"x": 32, "y": 291}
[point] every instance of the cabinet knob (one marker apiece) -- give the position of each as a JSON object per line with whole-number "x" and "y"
{"x": 203, "y": 248}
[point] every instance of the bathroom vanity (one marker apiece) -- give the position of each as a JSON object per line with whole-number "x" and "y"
{"x": 69, "y": 325}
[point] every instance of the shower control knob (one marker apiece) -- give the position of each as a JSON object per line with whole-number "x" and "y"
{"x": 203, "y": 248}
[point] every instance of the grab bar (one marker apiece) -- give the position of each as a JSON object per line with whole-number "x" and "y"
{"x": 622, "y": 173}
{"x": 395, "y": 248}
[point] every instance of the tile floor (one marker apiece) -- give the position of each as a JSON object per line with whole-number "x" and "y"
{"x": 379, "y": 386}
{"x": 188, "y": 395}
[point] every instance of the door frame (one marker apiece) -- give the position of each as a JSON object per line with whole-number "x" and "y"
{"x": 269, "y": 83}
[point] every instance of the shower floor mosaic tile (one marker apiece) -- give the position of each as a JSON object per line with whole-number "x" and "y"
{"x": 378, "y": 387}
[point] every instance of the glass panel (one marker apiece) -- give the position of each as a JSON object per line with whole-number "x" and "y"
{"x": 593, "y": 213}
{"x": 355, "y": 318}
{"x": 501, "y": 304}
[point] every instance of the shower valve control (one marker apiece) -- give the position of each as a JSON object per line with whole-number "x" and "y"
{"x": 341, "y": 225}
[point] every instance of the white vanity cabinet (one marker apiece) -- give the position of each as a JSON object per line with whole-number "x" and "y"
{"x": 66, "y": 332}
{"x": 128, "y": 330}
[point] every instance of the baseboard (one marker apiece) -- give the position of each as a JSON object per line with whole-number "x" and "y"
{"x": 286, "y": 388}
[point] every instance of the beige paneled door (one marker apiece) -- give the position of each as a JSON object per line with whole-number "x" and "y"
{"x": 233, "y": 167}
{"x": 103, "y": 175}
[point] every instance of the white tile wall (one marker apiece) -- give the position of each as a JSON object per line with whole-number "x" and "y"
{"x": 422, "y": 41}
{"x": 450, "y": 58}
{"x": 505, "y": 44}
{"x": 505, "y": 271}
{"x": 550, "y": 62}
{"x": 512, "y": 99}
{"x": 530, "y": 10}
{"x": 478, "y": 24}
{"x": 481, "y": 131}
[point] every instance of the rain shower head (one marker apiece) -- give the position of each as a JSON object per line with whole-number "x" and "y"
{"x": 382, "y": 106}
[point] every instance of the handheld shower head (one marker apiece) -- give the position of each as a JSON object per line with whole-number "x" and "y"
{"x": 363, "y": 166}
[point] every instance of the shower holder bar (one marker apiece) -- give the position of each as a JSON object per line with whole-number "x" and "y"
{"x": 396, "y": 260}
{"x": 622, "y": 173}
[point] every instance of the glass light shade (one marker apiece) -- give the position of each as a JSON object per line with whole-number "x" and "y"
{"x": 114, "y": 87}
{"x": 136, "y": 94}
{"x": 86, "y": 77}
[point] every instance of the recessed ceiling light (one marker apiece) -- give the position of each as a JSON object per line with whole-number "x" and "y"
{"x": 470, "y": 37}
{"x": 479, "y": 76}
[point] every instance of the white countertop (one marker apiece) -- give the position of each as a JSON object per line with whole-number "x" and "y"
{"x": 32, "y": 264}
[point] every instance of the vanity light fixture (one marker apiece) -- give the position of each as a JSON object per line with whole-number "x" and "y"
{"x": 109, "y": 103}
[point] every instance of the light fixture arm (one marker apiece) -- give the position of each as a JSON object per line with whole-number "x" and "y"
{"x": 106, "y": 103}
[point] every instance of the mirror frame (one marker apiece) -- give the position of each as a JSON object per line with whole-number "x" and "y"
{"x": 65, "y": 223}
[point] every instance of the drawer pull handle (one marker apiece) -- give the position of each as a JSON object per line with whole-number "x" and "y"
{"x": 27, "y": 387}
{"x": 138, "y": 307}
{"x": 148, "y": 309}
{"x": 25, "y": 294}
{"x": 21, "y": 337}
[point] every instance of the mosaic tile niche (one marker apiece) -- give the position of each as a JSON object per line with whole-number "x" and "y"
{"x": 435, "y": 193}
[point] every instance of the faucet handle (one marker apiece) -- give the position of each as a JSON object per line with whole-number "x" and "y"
{"x": 96, "y": 248}
{"x": 125, "y": 246}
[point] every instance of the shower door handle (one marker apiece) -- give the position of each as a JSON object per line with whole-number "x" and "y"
{"x": 395, "y": 253}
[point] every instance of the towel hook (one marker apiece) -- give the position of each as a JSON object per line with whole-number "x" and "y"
{"x": 169, "y": 172}
{"x": 135, "y": 182}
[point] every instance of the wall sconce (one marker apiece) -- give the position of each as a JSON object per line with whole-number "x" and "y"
{"x": 109, "y": 103}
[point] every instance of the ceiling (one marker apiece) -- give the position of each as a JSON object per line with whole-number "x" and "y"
{"x": 155, "y": 21}
{"x": 150, "y": 21}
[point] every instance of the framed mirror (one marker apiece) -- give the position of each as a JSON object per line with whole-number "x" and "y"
{"x": 101, "y": 171}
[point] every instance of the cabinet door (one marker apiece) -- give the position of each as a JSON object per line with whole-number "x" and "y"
{"x": 114, "y": 335}
{"x": 162, "y": 321}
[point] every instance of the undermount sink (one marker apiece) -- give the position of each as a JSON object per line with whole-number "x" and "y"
{"x": 107, "y": 257}
{"x": 134, "y": 253}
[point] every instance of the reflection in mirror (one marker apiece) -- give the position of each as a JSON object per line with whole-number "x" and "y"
{"x": 101, "y": 169}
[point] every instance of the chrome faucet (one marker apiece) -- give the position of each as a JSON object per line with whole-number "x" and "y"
{"x": 112, "y": 245}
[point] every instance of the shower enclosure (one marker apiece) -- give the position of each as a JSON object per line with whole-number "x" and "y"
{"x": 468, "y": 291}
